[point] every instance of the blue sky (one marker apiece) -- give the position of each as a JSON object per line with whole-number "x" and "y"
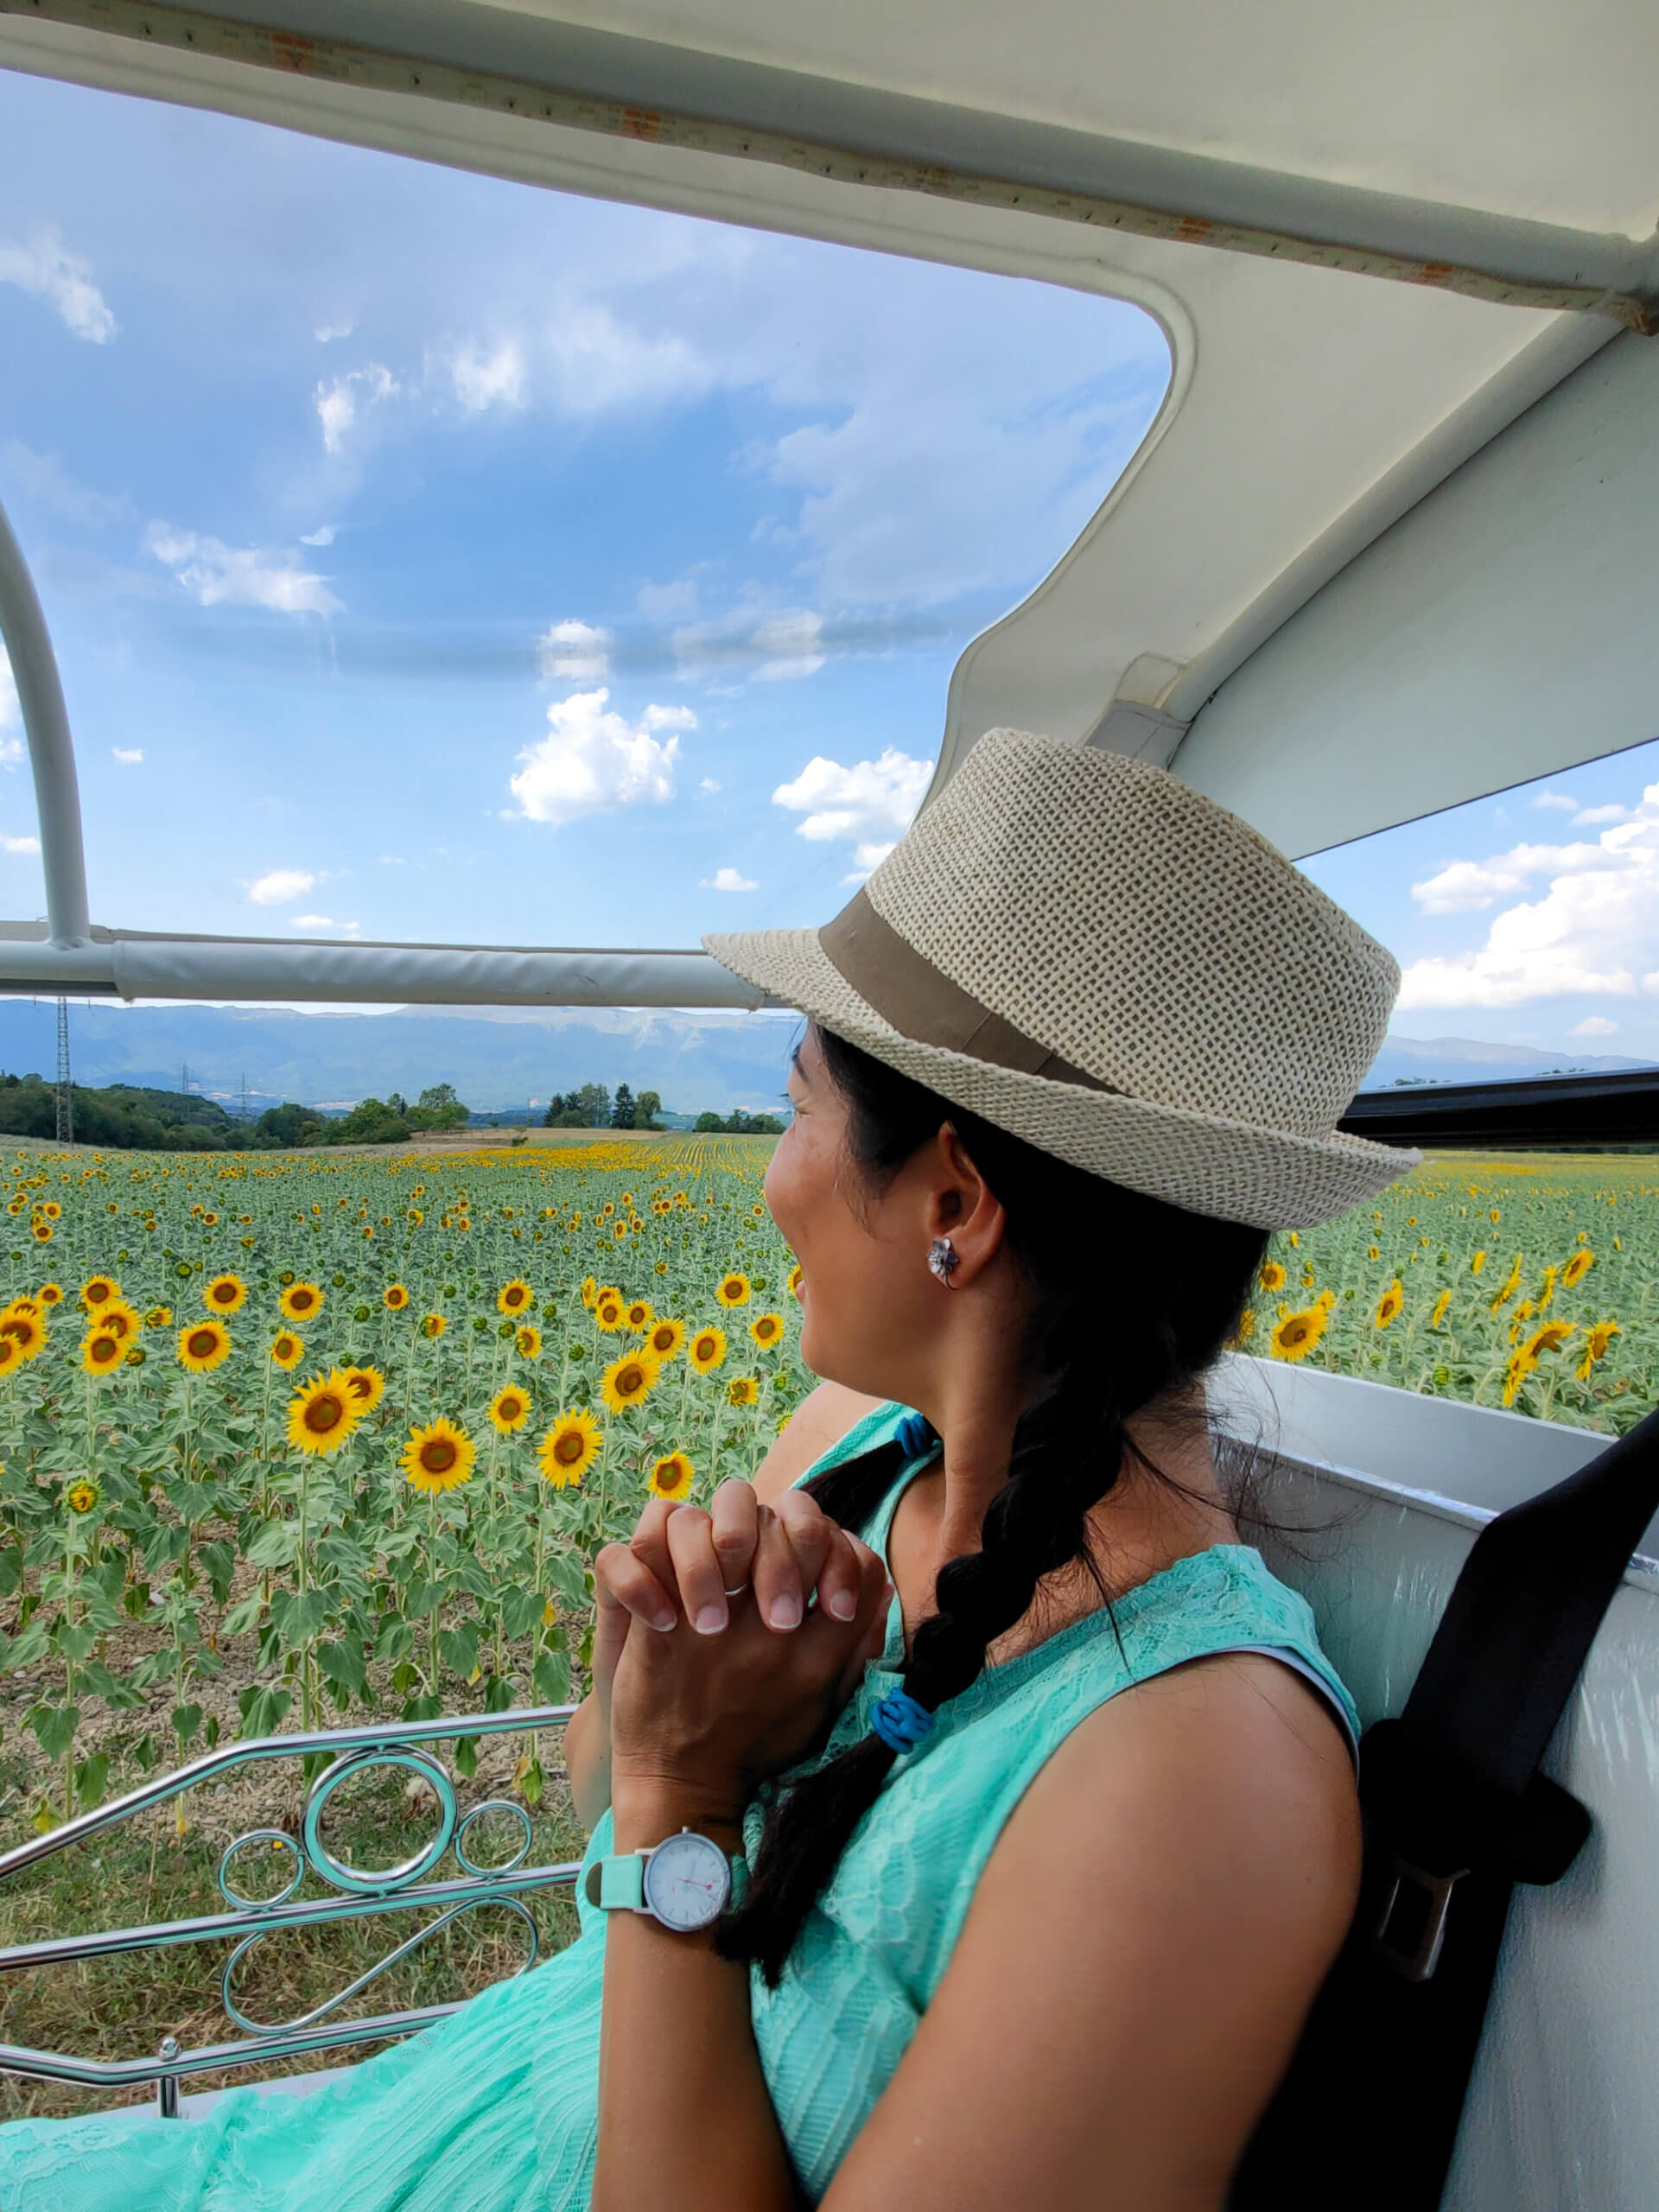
{"x": 434, "y": 557}
{"x": 468, "y": 561}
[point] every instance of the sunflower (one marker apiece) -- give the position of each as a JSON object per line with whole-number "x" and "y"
{"x": 707, "y": 1349}
{"x": 767, "y": 1329}
{"x": 1550, "y": 1338}
{"x": 51, "y": 1294}
{"x": 98, "y": 1290}
{"x": 1440, "y": 1304}
{"x": 433, "y": 1325}
{"x": 1389, "y": 1304}
{"x": 1326, "y": 1301}
{"x": 367, "y": 1386}
{"x": 1477, "y": 1263}
{"x": 629, "y": 1381}
{"x": 742, "y": 1390}
{"x": 1508, "y": 1288}
{"x": 396, "y": 1298}
{"x": 570, "y": 1448}
{"x": 41, "y": 1231}
{"x": 609, "y": 1311}
{"x": 589, "y": 1292}
{"x": 795, "y": 1282}
{"x": 1596, "y": 1347}
{"x": 159, "y": 1317}
{"x": 288, "y": 1350}
{"x": 53, "y": 1212}
{"x": 1295, "y": 1335}
{"x": 509, "y": 1409}
{"x": 666, "y": 1339}
{"x": 527, "y": 1340}
{"x": 322, "y": 1413}
{"x": 1516, "y": 1373}
{"x": 1577, "y": 1268}
{"x": 515, "y": 1298}
{"x": 1273, "y": 1275}
{"x": 226, "y": 1294}
{"x": 1373, "y": 1252}
{"x": 119, "y": 1319}
{"x": 439, "y": 1457}
{"x": 10, "y": 1354}
{"x": 82, "y": 1495}
{"x": 639, "y": 1316}
{"x": 301, "y": 1301}
{"x": 203, "y": 1345}
{"x": 29, "y": 1306}
{"x": 102, "y": 1351}
{"x": 25, "y": 1331}
{"x": 733, "y": 1289}
{"x": 672, "y": 1478}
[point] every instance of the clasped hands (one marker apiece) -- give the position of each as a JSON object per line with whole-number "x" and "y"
{"x": 727, "y": 1641}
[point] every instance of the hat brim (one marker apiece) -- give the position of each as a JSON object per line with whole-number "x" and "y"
{"x": 1233, "y": 1170}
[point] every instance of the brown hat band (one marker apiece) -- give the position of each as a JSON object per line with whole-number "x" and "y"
{"x": 908, "y": 991}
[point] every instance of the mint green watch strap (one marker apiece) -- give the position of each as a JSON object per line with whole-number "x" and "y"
{"x": 622, "y": 1882}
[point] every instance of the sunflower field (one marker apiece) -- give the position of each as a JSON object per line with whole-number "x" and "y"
{"x": 1527, "y": 1283}
{"x": 292, "y": 1439}
{"x": 284, "y": 1438}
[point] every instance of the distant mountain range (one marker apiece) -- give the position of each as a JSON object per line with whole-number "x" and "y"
{"x": 496, "y": 1057}
{"x": 501, "y": 1058}
{"x": 1468, "y": 1059}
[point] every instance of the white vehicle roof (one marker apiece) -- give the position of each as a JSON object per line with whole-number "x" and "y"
{"x": 1373, "y": 239}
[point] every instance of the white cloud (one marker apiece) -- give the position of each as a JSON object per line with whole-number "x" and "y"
{"x": 670, "y": 602}
{"x": 1591, "y": 817}
{"x": 326, "y": 332}
{"x": 1593, "y": 928}
{"x": 1466, "y": 885}
{"x": 11, "y": 714}
{"x": 20, "y": 844}
{"x": 393, "y": 860}
{"x": 336, "y": 402}
{"x": 866, "y": 861}
{"x": 218, "y": 575}
{"x": 578, "y": 652}
{"x": 708, "y": 784}
{"x": 726, "y": 878}
{"x": 320, "y": 922}
{"x": 323, "y": 537}
{"x": 280, "y": 886}
{"x": 592, "y": 761}
{"x": 64, "y": 281}
{"x": 1593, "y": 1024}
{"x": 1559, "y": 799}
{"x": 128, "y": 755}
{"x": 484, "y": 380}
{"x": 872, "y": 802}
{"x": 794, "y": 643}
{"x": 44, "y": 477}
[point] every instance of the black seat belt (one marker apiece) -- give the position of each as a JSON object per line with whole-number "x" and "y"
{"x": 1456, "y": 1813}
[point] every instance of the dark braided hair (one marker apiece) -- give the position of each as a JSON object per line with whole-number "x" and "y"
{"x": 1132, "y": 1299}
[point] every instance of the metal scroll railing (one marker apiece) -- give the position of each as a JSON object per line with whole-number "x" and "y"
{"x": 355, "y": 1893}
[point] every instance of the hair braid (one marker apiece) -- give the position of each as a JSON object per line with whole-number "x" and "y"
{"x": 1164, "y": 1322}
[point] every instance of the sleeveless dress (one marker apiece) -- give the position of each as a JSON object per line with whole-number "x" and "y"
{"x": 495, "y": 2109}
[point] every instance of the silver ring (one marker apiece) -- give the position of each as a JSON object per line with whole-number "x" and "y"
{"x": 739, "y": 1591}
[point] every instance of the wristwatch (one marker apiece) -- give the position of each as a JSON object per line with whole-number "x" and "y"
{"x": 685, "y": 1882}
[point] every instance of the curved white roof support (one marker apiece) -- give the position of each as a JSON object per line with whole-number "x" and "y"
{"x": 51, "y": 751}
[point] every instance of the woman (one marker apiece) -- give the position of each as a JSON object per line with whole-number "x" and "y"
{"x": 1031, "y": 1785}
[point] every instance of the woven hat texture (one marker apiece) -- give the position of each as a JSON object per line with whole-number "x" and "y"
{"x": 1155, "y": 943}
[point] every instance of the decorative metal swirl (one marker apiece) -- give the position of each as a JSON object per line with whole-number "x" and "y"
{"x": 378, "y": 1882}
{"x": 353, "y": 1893}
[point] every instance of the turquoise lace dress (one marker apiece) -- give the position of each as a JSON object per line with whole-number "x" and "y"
{"x": 496, "y": 2109}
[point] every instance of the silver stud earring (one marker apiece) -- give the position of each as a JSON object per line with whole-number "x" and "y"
{"x": 943, "y": 1259}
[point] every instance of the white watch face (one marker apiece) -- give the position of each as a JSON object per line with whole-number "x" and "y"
{"x": 687, "y": 1881}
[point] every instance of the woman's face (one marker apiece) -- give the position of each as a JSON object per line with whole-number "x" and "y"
{"x": 869, "y": 1305}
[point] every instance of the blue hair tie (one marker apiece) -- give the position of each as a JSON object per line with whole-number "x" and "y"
{"x": 915, "y": 1435}
{"x": 900, "y": 1722}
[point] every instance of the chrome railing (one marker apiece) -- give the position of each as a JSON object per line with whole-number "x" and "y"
{"x": 359, "y": 1892}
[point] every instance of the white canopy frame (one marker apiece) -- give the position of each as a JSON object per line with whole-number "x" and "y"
{"x": 1503, "y": 308}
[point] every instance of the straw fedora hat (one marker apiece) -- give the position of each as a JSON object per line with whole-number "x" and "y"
{"x": 1090, "y": 954}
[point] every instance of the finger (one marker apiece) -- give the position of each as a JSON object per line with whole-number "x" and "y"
{"x": 778, "y": 1589}
{"x": 620, "y": 1579}
{"x": 735, "y": 1512}
{"x": 810, "y": 1532}
{"x": 696, "y": 1570}
{"x": 840, "y": 1577}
